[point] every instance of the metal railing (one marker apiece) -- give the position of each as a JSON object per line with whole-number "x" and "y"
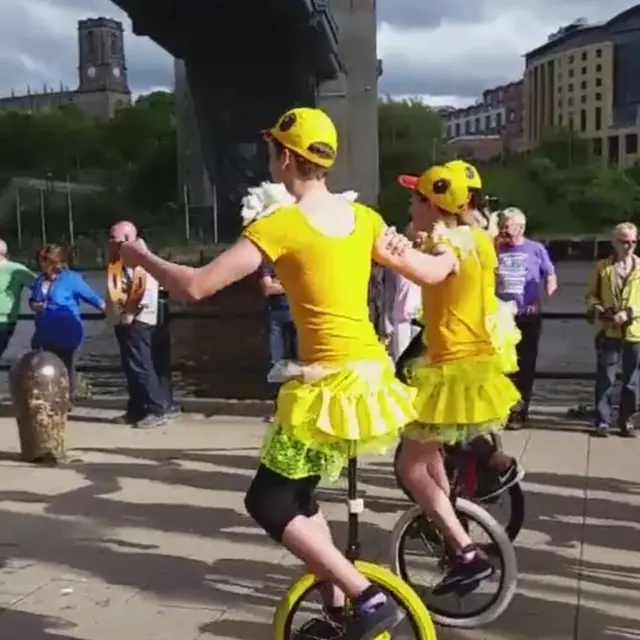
{"x": 162, "y": 342}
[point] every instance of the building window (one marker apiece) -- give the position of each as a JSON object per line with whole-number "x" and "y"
{"x": 570, "y": 59}
{"x": 597, "y": 146}
{"x": 584, "y": 55}
{"x": 598, "y": 68}
{"x": 498, "y": 121}
{"x": 583, "y": 99}
{"x": 583, "y": 120}
{"x": 91, "y": 44}
{"x": 571, "y": 73}
{"x": 631, "y": 143}
{"x": 613, "y": 150}
{"x": 467, "y": 126}
{"x": 114, "y": 45}
{"x": 598, "y": 97}
{"x": 583, "y": 85}
{"x": 559, "y": 104}
{"x": 457, "y": 129}
{"x": 598, "y": 53}
{"x": 598, "y": 118}
{"x": 449, "y": 131}
{"x": 487, "y": 123}
{"x": 598, "y": 82}
{"x": 569, "y": 102}
{"x": 570, "y": 88}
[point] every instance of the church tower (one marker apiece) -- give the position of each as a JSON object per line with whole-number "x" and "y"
{"x": 103, "y": 84}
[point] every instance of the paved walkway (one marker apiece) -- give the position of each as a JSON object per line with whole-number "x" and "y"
{"x": 145, "y": 537}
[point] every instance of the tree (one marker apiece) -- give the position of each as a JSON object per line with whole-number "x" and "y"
{"x": 410, "y": 139}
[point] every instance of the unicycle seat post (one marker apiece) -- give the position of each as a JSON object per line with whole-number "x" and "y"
{"x": 356, "y": 506}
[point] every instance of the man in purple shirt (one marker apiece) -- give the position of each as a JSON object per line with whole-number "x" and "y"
{"x": 525, "y": 274}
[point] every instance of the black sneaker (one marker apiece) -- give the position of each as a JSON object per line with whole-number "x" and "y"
{"x": 126, "y": 418}
{"x": 601, "y": 430}
{"x": 465, "y": 575}
{"x": 174, "y": 411}
{"x": 515, "y": 423}
{"x": 151, "y": 421}
{"x": 513, "y": 474}
{"x": 627, "y": 431}
{"x": 370, "y": 624}
{"x": 319, "y": 629}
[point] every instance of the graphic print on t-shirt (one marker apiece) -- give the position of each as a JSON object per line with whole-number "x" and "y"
{"x": 512, "y": 274}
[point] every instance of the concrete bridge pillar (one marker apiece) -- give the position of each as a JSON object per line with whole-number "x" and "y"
{"x": 231, "y": 87}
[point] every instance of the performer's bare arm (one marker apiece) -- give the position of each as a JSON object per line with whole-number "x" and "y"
{"x": 395, "y": 252}
{"x": 192, "y": 284}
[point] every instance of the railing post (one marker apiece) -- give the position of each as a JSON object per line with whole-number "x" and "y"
{"x": 161, "y": 348}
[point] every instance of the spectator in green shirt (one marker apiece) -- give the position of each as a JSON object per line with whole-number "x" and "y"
{"x": 14, "y": 277}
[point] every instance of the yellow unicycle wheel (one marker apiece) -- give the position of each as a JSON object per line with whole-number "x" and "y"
{"x": 417, "y": 619}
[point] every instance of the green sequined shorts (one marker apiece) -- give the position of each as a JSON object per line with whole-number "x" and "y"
{"x": 293, "y": 459}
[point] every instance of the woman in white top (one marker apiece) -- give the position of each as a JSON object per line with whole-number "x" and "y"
{"x": 404, "y": 304}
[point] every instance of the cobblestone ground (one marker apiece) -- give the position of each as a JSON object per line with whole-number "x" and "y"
{"x": 144, "y": 536}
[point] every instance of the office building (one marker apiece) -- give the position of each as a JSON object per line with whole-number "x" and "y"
{"x": 585, "y": 77}
{"x": 489, "y": 127}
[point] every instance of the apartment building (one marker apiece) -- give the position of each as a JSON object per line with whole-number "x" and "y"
{"x": 490, "y": 126}
{"x": 585, "y": 77}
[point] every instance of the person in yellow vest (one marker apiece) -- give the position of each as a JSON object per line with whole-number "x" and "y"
{"x": 613, "y": 301}
{"x": 342, "y": 396}
{"x": 462, "y": 388}
{"x": 132, "y": 309}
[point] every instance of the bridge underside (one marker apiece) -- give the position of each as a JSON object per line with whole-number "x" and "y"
{"x": 246, "y": 62}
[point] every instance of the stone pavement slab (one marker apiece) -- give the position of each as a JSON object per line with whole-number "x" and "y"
{"x": 144, "y": 536}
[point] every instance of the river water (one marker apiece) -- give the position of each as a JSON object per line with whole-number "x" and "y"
{"x": 566, "y": 346}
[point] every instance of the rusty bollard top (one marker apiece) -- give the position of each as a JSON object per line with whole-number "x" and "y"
{"x": 39, "y": 386}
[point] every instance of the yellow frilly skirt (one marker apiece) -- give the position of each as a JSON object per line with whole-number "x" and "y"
{"x": 505, "y": 335}
{"x": 326, "y": 415}
{"x": 456, "y": 400}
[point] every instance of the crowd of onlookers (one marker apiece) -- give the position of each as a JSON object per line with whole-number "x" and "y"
{"x": 56, "y": 296}
{"x": 525, "y": 276}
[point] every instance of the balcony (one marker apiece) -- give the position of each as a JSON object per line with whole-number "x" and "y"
{"x": 180, "y": 25}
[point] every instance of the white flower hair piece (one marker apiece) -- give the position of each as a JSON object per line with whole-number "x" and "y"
{"x": 459, "y": 237}
{"x": 268, "y": 197}
{"x": 263, "y": 200}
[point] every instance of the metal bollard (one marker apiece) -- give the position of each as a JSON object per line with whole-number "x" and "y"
{"x": 39, "y": 386}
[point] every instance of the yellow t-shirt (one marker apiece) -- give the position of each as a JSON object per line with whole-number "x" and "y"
{"x": 326, "y": 282}
{"x": 455, "y": 310}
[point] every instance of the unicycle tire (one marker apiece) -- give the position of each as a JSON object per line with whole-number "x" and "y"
{"x": 500, "y": 545}
{"x": 416, "y": 612}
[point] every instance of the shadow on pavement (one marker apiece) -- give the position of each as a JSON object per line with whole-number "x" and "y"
{"x": 19, "y": 625}
{"x": 75, "y": 527}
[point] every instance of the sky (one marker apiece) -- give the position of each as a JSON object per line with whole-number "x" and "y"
{"x": 443, "y": 51}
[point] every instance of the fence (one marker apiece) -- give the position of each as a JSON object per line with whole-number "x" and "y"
{"x": 162, "y": 341}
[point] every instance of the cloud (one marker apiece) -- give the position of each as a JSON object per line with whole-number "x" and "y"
{"x": 455, "y": 48}
{"x": 447, "y": 51}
